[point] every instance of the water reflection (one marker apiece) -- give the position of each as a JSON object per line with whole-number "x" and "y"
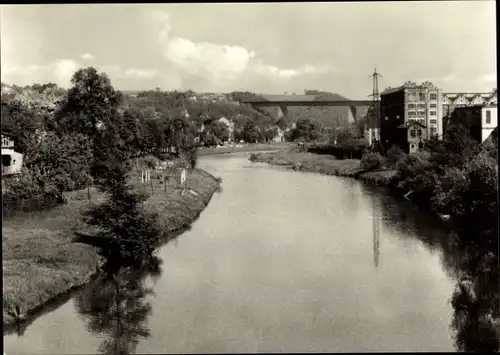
{"x": 470, "y": 256}
{"x": 376, "y": 232}
{"x": 115, "y": 305}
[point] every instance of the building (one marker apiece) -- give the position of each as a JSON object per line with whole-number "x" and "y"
{"x": 410, "y": 114}
{"x": 12, "y": 161}
{"x": 480, "y": 120}
{"x": 451, "y": 101}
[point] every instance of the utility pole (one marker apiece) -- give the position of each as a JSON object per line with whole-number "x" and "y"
{"x": 374, "y": 120}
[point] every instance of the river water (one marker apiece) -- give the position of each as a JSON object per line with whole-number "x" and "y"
{"x": 280, "y": 261}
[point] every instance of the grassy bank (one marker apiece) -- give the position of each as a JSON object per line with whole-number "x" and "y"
{"x": 41, "y": 259}
{"x": 324, "y": 164}
{"x": 245, "y": 148}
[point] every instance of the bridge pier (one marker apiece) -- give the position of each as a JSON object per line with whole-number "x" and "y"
{"x": 282, "y": 112}
{"x": 352, "y": 114}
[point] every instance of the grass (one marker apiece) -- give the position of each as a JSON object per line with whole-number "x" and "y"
{"x": 246, "y": 148}
{"x": 324, "y": 164}
{"x": 40, "y": 259}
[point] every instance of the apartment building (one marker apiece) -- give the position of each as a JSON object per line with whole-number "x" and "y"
{"x": 410, "y": 114}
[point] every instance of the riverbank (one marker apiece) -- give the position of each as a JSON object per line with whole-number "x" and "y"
{"x": 325, "y": 164}
{"x": 41, "y": 260}
{"x": 253, "y": 147}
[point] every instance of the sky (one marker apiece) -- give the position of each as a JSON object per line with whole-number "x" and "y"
{"x": 259, "y": 47}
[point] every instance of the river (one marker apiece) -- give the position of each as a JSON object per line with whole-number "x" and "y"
{"x": 279, "y": 261}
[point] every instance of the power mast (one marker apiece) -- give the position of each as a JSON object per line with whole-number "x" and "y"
{"x": 374, "y": 120}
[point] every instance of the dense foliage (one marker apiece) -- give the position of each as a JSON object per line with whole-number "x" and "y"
{"x": 372, "y": 161}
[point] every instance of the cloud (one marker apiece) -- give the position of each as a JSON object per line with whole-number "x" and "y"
{"x": 87, "y": 57}
{"x": 140, "y": 73}
{"x": 61, "y": 71}
{"x": 489, "y": 78}
{"x": 222, "y": 65}
{"x": 64, "y": 70}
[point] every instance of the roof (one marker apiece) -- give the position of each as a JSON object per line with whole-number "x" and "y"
{"x": 409, "y": 85}
{"x": 409, "y": 124}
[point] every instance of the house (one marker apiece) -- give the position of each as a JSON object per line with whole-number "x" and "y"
{"x": 480, "y": 120}
{"x": 410, "y": 136}
{"x": 12, "y": 161}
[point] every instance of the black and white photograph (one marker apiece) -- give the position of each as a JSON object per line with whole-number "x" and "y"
{"x": 249, "y": 177}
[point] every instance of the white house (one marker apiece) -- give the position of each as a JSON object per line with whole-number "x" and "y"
{"x": 489, "y": 120}
{"x": 12, "y": 161}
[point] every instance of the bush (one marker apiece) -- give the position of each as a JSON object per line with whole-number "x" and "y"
{"x": 394, "y": 155}
{"x": 372, "y": 161}
{"x": 26, "y": 194}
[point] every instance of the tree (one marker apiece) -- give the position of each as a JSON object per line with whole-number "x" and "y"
{"x": 132, "y": 233}
{"x": 270, "y": 133}
{"x": 394, "y": 155}
{"x": 60, "y": 164}
{"x": 220, "y": 130}
{"x": 91, "y": 103}
{"x": 345, "y": 138}
{"x": 456, "y": 148}
{"x": 25, "y": 126}
{"x": 251, "y": 133}
{"x": 306, "y": 130}
{"x": 91, "y": 108}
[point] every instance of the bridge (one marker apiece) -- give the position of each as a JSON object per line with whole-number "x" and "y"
{"x": 282, "y": 102}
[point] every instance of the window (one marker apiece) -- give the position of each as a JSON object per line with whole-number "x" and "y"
{"x": 412, "y": 96}
{"x": 419, "y": 133}
{"x": 433, "y": 97}
{"x": 397, "y": 117}
{"x": 412, "y": 146}
{"x": 413, "y": 134}
{"x": 412, "y": 114}
{"x": 488, "y": 117}
{"x": 433, "y": 131}
{"x": 411, "y": 106}
{"x": 432, "y": 113}
{"x": 6, "y": 159}
{"x": 432, "y": 105}
{"x": 421, "y": 114}
{"x": 421, "y": 96}
{"x": 386, "y": 118}
{"x": 421, "y": 106}
{"x": 433, "y": 121}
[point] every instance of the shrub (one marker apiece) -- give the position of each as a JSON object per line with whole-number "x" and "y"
{"x": 254, "y": 156}
{"x": 394, "y": 155}
{"x": 372, "y": 161}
